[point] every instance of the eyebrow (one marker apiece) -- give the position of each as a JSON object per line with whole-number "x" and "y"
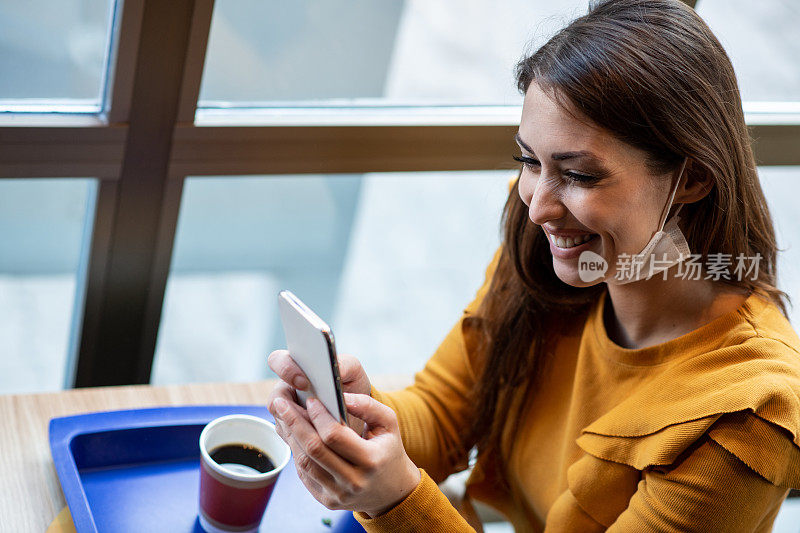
{"x": 560, "y": 156}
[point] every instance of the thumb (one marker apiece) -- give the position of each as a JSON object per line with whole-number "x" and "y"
{"x": 374, "y": 413}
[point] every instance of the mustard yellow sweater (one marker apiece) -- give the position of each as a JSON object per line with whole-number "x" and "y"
{"x": 701, "y": 433}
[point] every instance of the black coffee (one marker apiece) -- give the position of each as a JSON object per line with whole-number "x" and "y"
{"x": 242, "y": 454}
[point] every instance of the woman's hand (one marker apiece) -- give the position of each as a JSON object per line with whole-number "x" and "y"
{"x": 351, "y": 373}
{"x": 341, "y": 469}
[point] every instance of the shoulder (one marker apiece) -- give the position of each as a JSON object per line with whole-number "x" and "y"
{"x": 758, "y": 351}
{"x": 759, "y": 357}
{"x": 770, "y": 329}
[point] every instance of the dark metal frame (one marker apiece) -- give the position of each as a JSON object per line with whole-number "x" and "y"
{"x": 118, "y": 335}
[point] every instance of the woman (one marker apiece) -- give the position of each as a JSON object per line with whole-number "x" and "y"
{"x": 612, "y": 375}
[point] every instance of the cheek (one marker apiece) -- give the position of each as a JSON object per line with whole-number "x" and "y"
{"x": 527, "y": 185}
{"x": 591, "y": 210}
{"x": 620, "y": 231}
{"x": 602, "y": 216}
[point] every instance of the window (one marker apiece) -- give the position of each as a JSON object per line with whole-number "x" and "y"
{"x": 54, "y": 54}
{"x": 759, "y": 39}
{"x": 389, "y": 260}
{"x": 43, "y": 223}
{"x": 780, "y": 186}
{"x": 395, "y": 52}
{"x": 300, "y": 104}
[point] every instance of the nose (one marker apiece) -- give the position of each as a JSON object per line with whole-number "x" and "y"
{"x": 546, "y": 202}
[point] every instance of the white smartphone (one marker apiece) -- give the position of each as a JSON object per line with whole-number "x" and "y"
{"x": 311, "y": 346}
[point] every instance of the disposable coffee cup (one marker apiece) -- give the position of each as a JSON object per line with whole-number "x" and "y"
{"x": 233, "y": 495}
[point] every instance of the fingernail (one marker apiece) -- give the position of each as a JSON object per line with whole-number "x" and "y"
{"x": 300, "y": 382}
{"x": 280, "y": 406}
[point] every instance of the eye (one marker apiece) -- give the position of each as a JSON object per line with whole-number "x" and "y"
{"x": 528, "y": 162}
{"x": 575, "y": 177}
{"x": 580, "y": 178}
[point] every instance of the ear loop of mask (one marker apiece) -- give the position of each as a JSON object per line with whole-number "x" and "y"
{"x": 665, "y": 212}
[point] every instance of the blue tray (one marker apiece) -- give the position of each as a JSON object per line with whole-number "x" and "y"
{"x": 139, "y": 470}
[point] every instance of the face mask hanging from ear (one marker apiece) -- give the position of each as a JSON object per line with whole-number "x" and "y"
{"x": 666, "y": 248}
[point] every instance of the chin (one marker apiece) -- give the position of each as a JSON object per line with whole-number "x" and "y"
{"x": 569, "y": 275}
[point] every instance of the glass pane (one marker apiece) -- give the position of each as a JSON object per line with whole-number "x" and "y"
{"x": 53, "y": 54}
{"x": 761, "y": 40}
{"x": 42, "y": 222}
{"x": 389, "y": 260}
{"x": 366, "y": 52}
{"x": 781, "y": 185}
{"x": 408, "y": 52}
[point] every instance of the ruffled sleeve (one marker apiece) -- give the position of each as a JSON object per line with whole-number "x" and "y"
{"x": 766, "y": 448}
{"x": 707, "y": 489}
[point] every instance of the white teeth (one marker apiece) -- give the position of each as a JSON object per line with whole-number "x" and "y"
{"x": 569, "y": 242}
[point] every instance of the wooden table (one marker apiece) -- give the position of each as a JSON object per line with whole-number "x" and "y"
{"x": 30, "y": 493}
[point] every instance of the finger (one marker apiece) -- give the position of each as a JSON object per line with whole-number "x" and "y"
{"x": 318, "y": 482}
{"x": 316, "y": 473}
{"x": 281, "y": 390}
{"x": 310, "y": 483}
{"x": 316, "y": 479}
{"x": 341, "y": 439}
{"x": 282, "y": 364}
{"x": 272, "y": 408}
{"x": 284, "y": 392}
{"x": 349, "y": 367}
{"x": 378, "y": 416}
{"x": 287, "y": 437}
{"x": 311, "y": 443}
{"x": 284, "y": 433}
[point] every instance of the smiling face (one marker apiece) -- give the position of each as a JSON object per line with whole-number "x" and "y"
{"x": 584, "y": 187}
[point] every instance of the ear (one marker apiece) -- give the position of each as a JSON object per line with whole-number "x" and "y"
{"x": 695, "y": 185}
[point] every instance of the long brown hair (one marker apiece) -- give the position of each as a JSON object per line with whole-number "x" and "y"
{"x": 652, "y": 74}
